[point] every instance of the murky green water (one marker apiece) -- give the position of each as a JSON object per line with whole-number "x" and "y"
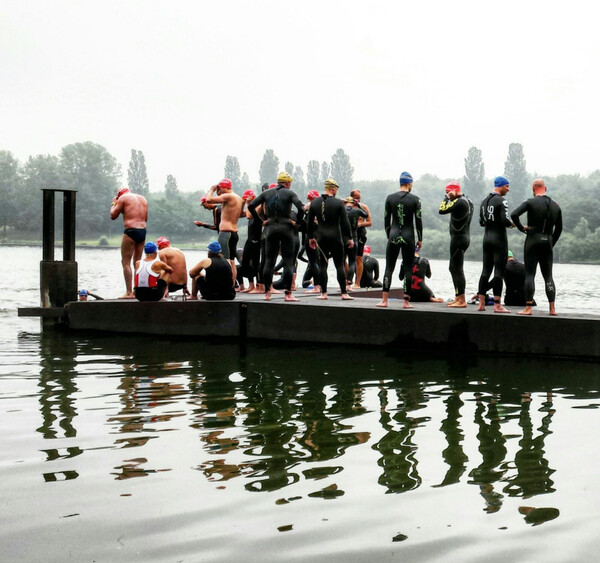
{"x": 121, "y": 448}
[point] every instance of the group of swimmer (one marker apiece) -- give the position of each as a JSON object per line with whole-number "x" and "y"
{"x": 334, "y": 228}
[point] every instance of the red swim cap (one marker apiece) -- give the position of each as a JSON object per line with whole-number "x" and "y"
{"x": 203, "y": 199}
{"x": 225, "y": 183}
{"x": 453, "y": 187}
{"x": 248, "y": 194}
{"x": 122, "y": 191}
{"x": 313, "y": 194}
{"x": 367, "y": 250}
{"x": 162, "y": 242}
{"x": 272, "y": 186}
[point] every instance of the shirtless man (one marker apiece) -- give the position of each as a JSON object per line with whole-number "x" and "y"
{"x": 363, "y": 223}
{"x": 151, "y": 275}
{"x": 231, "y": 210}
{"x": 134, "y": 209}
{"x": 174, "y": 258}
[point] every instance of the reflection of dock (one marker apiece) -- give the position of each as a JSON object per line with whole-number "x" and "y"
{"x": 428, "y": 326}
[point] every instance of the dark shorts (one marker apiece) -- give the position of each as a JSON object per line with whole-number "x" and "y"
{"x": 176, "y": 286}
{"x": 360, "y": 247}
{"x": 228, "y": 242}
{"x": 151, "y": 293}
{"x": 136, "y": 235}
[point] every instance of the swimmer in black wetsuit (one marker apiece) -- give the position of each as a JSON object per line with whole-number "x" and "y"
{"x": 355, "y": 213}
{"x": 251, "y": 254}
{"x": 460, "y": 208}
{"x": 370, "y": 273}
{"x": 543, "y": 229}
{"x": 419, "y": 290}
{"x": 363, "y": 223}
{"x": 402, "y": 209}
{"x": 312, "y": 256}
{"x": 493, "y": 215}
{"x": 279, "y": 231}
{"x": 328, "y": 233}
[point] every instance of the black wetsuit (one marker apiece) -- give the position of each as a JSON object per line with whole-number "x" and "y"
{"x": 402, "y": 209}
{"x": 419, "y": 290}
{"x": 280, "y": 232}
{"x": 461, "y": 212}
{"x": 370, "y": 272}
{"x": 493, "y": 215}
{"x": 544, "y": 227}
{"x": 280, "y": 284}
{"x": 354, "y": 214}
{"x": 312, "y": 257}
{"x": 217, "y": 282}
{"x": 332, "y": 232}
{"x": 514, "y": 279}
{"x": 251, "y": 255}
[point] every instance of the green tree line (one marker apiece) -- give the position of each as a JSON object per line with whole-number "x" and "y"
{"x": 96, "y": 175}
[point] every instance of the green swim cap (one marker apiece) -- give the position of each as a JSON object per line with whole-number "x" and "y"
{"x": 510, "y": 254}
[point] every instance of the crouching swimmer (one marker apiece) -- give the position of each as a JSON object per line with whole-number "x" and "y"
{"x": 151, "y": 275}
{"x": 216, "y": 283}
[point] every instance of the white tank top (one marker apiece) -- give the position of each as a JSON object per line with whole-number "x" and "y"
{"x": 145, "y": 277}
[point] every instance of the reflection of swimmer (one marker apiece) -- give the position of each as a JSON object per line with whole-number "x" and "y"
{"x": 151, "y": 275}
{"x": 216, "y": 282}
{"x": 419, "y": 291}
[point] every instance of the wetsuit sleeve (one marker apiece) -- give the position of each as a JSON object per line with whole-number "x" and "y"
{"x": 387, "y": 218}
{"x": 362, "y": 213}
{"x": 375, "y": 269}
{"x": 310, "y": 228}
{"x": 428, "y": 271}
{"x": 504, "y": 211}
{"x": 558, "y": 226}
{"x": 446, "y": 205}
{"x": 517, "y": 213}
{"x": 345, "y": 225}
{"x": 419, "y": 222}
{"x": 254, "y": 204}
{"x": 296, "y": 201}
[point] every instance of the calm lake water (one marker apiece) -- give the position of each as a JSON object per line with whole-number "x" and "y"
{"x": 123, "y": 448}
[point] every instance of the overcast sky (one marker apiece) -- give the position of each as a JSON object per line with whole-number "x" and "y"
{"x": 398, "y": 85}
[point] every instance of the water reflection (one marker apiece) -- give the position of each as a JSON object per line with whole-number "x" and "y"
{"x": 275, "y": 417}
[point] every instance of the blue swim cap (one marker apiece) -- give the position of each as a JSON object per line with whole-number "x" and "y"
{"x": 405, "y": 178}
{"x": 500, "y": 181}
{"x": 150, "y": 247}
{"x": 214, "y": 247}
{"x": 83, "y": 292}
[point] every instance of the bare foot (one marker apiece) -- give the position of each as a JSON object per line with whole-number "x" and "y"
{"x": 436, "y": 300}
{"x": 451, "y": 303}
{"x": 193, "y": 298}
{"x": 355, "y": 286}
{"x": 267, "y": 296}
{"x": 527, "y": 311}
{"x": 127, "y": 296}
{"x": 313, "y": 290}
{"x": 457, "y": 305}
{"x": 382, "y": 304}
{"x": 289, "y": 297}
{"x": 346, "y": 297}
{"x": 407, "y": 304}
{"x": 256, "y": 290}
{"x": 276, "y": 291}
{"x": 553, "y": 311}
{"x": 500, "y": 309}
{"x": 323, "y": 296}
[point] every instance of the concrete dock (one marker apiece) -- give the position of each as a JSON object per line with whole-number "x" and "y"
{"x": 428, "y": 326}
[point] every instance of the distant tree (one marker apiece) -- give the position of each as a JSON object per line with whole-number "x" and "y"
{"x": 474, "y": 178}
{"x": 92, "y": 171}
{"x": 341, "y": 170}
{"x": 171, "y": 188}
{"x": 245, "y": 183}
{"x": 269, "y": 167}
{"x": 9, "y": 184}
{"x": 289, "y": 168}
{"x": 582, "y": 229}
{"x": 137, "y": 175}
{"x": 39, "y": 172}
{"x": 325, "y": 172}
{"x": 313, "y": 171}
{"x": 232, "y": 171}
{"x": 299, "y": 185}
{"x": 515, "y": 171}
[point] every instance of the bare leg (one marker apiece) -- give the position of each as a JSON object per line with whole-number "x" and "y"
{"x": 384, "y": 299}
{"x": 268, "y": 295}
{"x": 459, "y": 303}
{"x": 552, "y": 309}
{"x": 323, "y": 296}
{"x": 289, "y": 296}
{"x": 260, "y": 288}
{"x": 194, "y": 295}
{"x": 527, "y": 311}
{"x": 481, "y": 303}
{"x": 406, "y": 304}
{"x": 128, "y": 249}
{"x": 435, "y": 299}
{"x": 359, "y": 271}
{"x": 498, "y": 308}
